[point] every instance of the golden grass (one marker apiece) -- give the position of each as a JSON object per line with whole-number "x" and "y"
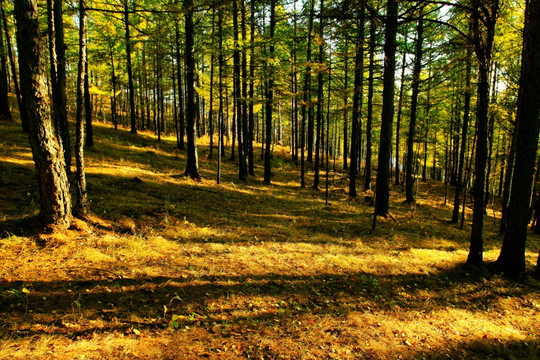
{"x": 173, "y": 268}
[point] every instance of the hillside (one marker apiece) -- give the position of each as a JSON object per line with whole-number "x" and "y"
{"x": 172, "y": 268}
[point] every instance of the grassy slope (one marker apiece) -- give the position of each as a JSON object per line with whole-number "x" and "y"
{"x": 173, "y": 268}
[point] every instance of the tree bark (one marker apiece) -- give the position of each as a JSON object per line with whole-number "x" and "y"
{"x": 382, "y": 194}
{"x": 55, "y": 200}
{"x": 270, "y": 96}
{"x": 409, "y": 181}
{"x": 129, "y": 69}
{"x": 483, "y": 42}
{"x": 192, "y": 166}
{"x": 369, "y": 121}
{"x": 512, "y": 257}
{"x": 80, "y": 208}
{"x": 5, "y": 111}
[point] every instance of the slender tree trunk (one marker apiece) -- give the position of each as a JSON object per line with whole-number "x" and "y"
{"x": 88, "y": 106}
{"x": 400, "y": 111}
{"x": 80, "y": 208}
{"x": 512, "y": 257}
{"x": 320, "y": 90}
{"x": 346, "y": 105}
{"x": 5, "y": 111}
{"x": 238, "y": 95}
{"x": 369, "y": 121}
{"x": 382, "y": 193}
{"x": 483, "y": 53}
{"x": 47, "y": 152}
{"x": 307, "y": 98}
{"x": 270, "y": 96}
{"x": 220, "y": 114}
{"x": 245, "y": 130}
{"x": 129, "y": 70}
{"x": 180, "y": 88}
{"x": 491, "y": 127}
{"x": 464, "y": 130}
{"x": 251, "y": 119}
{"x": 409, "y": 182}
{"x": 192, "y": 166}
{"x": 357, "y": 102}
{"x": 20, "y": 101}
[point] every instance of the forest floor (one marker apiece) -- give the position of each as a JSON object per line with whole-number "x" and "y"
{"x": 173, "y": 268}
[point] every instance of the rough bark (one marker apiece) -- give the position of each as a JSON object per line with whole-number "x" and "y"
{"x": 47, "y": 152}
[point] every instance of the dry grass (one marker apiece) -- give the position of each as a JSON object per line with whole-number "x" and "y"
{"x": 172, "y": 268}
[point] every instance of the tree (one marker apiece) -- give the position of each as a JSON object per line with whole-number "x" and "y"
{"x": 47, "y": 151}
{"x": 512, "y": 257}
{"x": 192, "y": 166}
{"x": 382, "y": 191}
{"x": 5, "y": 112}
{"x": 409, "y": 181}
{"x": 129, "y": 68}
{"x": 270, "y": 95}
{"x": 483, "y": 43}
{"x": 80, "y": 180}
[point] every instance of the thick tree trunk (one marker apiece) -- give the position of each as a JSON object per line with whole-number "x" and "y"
{"x": 192, "y": 166}
{"x": 55, "y": 200}
{"x": 512, "y": 257}
{"x": 382, "y": 193}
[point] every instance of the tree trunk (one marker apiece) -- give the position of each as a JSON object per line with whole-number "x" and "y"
{"x": 192, "y": 166}
{"x": 270, "y": 96}
{"x": 483, "y": 53}
{"x": 409, "y": 181}
{"x": 512, "y": 257}
{"x": 400, "y": 111}
{"x": 369, "y": 121}
{"x": 129, "y": 70}
{"x": 357, "y": 102}
{"x": 5, "y": 111}
{"x": 464, "y": 130}
{"x": 88, "y": 106}
{"x": 180, "y": 88}
{"x": 320, "y": 90}
{"x": 382, "y": 193}
{"x": 55, "y": 200}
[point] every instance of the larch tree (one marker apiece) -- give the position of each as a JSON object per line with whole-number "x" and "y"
{"x": 512, "y": 257}
{"x": 382, "y": 190}
{"x": 47, "y": 151}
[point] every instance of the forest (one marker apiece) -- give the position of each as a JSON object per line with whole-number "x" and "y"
{"x": 269, "y": 179}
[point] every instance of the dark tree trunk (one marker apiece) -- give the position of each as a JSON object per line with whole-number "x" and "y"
{"x": 483, "y": 41}
{"x": 491, "y": 130}
{"x": 464, "y": 130}
{"x": 320, "y": 91}
{"x": 220, "y": 114}
{"x": 5, "y": 112}
{"x": 369, "y": 121}
{"x": 251, "y": 90}
{"x": 55, "y": 200}
{"x": 80, "y": 208}
{"x": 129, "y": 69}
{"x": 180, "y": 88}
{"x": 192, "y": 166}
{"x": 357, "y": 102}
{"x": 382, "y": 193}
{"x": 270, "y": 96}
{"x": 20, "y": 102}
{"x": 508, "y": 183}
{"x": 409, "y": 180}
{"x": 211, "y": 107}
{"x": 237, "y": 95}
{"x": 307, "y": 96}
{"x": 88, "y": 106}
{"x": 245, "y": 131}
{"x": 512, "y": 257}
{"x": 346, "y": 106}
{"x": 400, "y": 111}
